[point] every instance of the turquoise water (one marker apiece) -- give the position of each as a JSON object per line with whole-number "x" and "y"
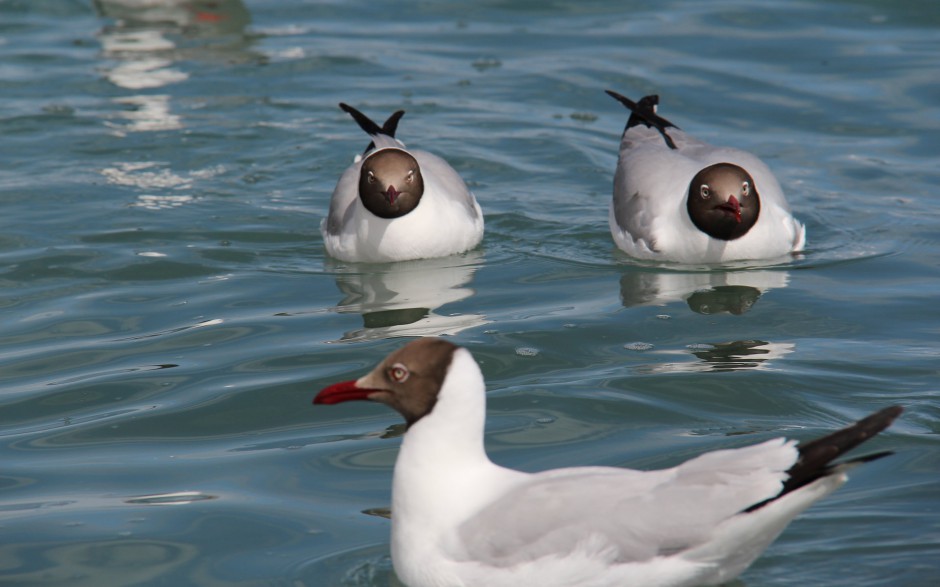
{"x": 168, "y": 313}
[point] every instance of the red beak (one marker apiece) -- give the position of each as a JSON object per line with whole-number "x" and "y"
{"x": 342, "y": 392}
{"x": 732, "y": 206}
{"x": 392, "y": 194}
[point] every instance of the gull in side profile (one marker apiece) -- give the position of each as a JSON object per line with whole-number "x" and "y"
{"x": 398, "y": 204}
{"x": 679, "y": 199}
{"x": 459, "y": 520}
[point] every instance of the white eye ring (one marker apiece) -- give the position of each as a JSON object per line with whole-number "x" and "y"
{"x": 411, "y": 176}
{"x": 371, "y": 177}
{"x": 704, "y": 191}
{"x": 746, "y": 188}
{"x": 398, "y": 373}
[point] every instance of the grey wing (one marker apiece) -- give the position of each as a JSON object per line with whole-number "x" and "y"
{"x": 554, "y": 516}
{"x": 632, "y": 217}
{"x": 440, "y": 177}
{"x": 650, "y": 187}
{"x": 630, "y": 515}
{"x": 344, "y": 196}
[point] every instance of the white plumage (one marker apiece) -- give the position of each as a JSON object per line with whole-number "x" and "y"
{"x": 459, "y": 520}
{"x": 446, "y": 221}
{"x": 648, "y": 214}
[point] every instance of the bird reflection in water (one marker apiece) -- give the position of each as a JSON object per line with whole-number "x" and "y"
{"x": 740, "y": 354}
{"x": 732, "y": 292}
{"x": 733, "y": 299}
{"x": 148, "y": 48}
{"x": 706, "y": 292}
{"x": 403, "y": 299}
{"x": 718, "y": 357}
{"x": 145, "y": 41}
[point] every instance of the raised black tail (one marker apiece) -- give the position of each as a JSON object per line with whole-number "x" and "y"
{"x": 369, "y": 125}
{"x": 644, "y": 112}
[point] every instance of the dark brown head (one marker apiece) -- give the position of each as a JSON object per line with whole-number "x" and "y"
{"x": 723, "y": 201}
{"x": 390, "y": 183}
{"x": 408, "y": 380}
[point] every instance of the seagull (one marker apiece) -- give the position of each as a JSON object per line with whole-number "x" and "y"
{"x": 459, "y": 520}
{"x": 679, "y": 199}
{"x": 398, "y": 204}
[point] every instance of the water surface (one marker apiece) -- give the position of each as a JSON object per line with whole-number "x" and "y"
{"x": 168, "y": 311}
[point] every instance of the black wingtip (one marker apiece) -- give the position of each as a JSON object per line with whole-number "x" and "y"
{"x": 869, "y": 457}
{"x": 391, "y": 125}
{"x": 369, "y": 125}
{"x": 817, "y": 456}
{"x": 622, "y": 99}
{"x": 644, "y": 112}
{"x": 364, "y": 122}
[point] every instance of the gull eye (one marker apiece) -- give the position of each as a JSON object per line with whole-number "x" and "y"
{"x": 746, "y": 189}
{"x": 398, "y": 373}
{"x": 371, "y": 177}
{"x": 704, "y": 191}
{"x": 410, "y": 177}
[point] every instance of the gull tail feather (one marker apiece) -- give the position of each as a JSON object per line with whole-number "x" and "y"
{"x": 370, "y": 127}
{"x": 817, "y": 456}
{"x": 644, "y": 112}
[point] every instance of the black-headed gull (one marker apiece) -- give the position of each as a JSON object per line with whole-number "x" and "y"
{"x": 398, "y": 204}
{"x": 679, "y": 199}
{"x": 458, "y": 519}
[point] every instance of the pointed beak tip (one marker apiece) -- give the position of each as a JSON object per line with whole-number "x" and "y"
{"x": 341, "y": 392}
{"x": 320, "y": 399}
{"x": 737, "y": 208}
{"x": 733, "y": 207}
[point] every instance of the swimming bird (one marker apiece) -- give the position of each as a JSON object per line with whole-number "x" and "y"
{"x": 398, "y": 204}
{"x": 679, "y": 199}
{"x": 458, "y": 519}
